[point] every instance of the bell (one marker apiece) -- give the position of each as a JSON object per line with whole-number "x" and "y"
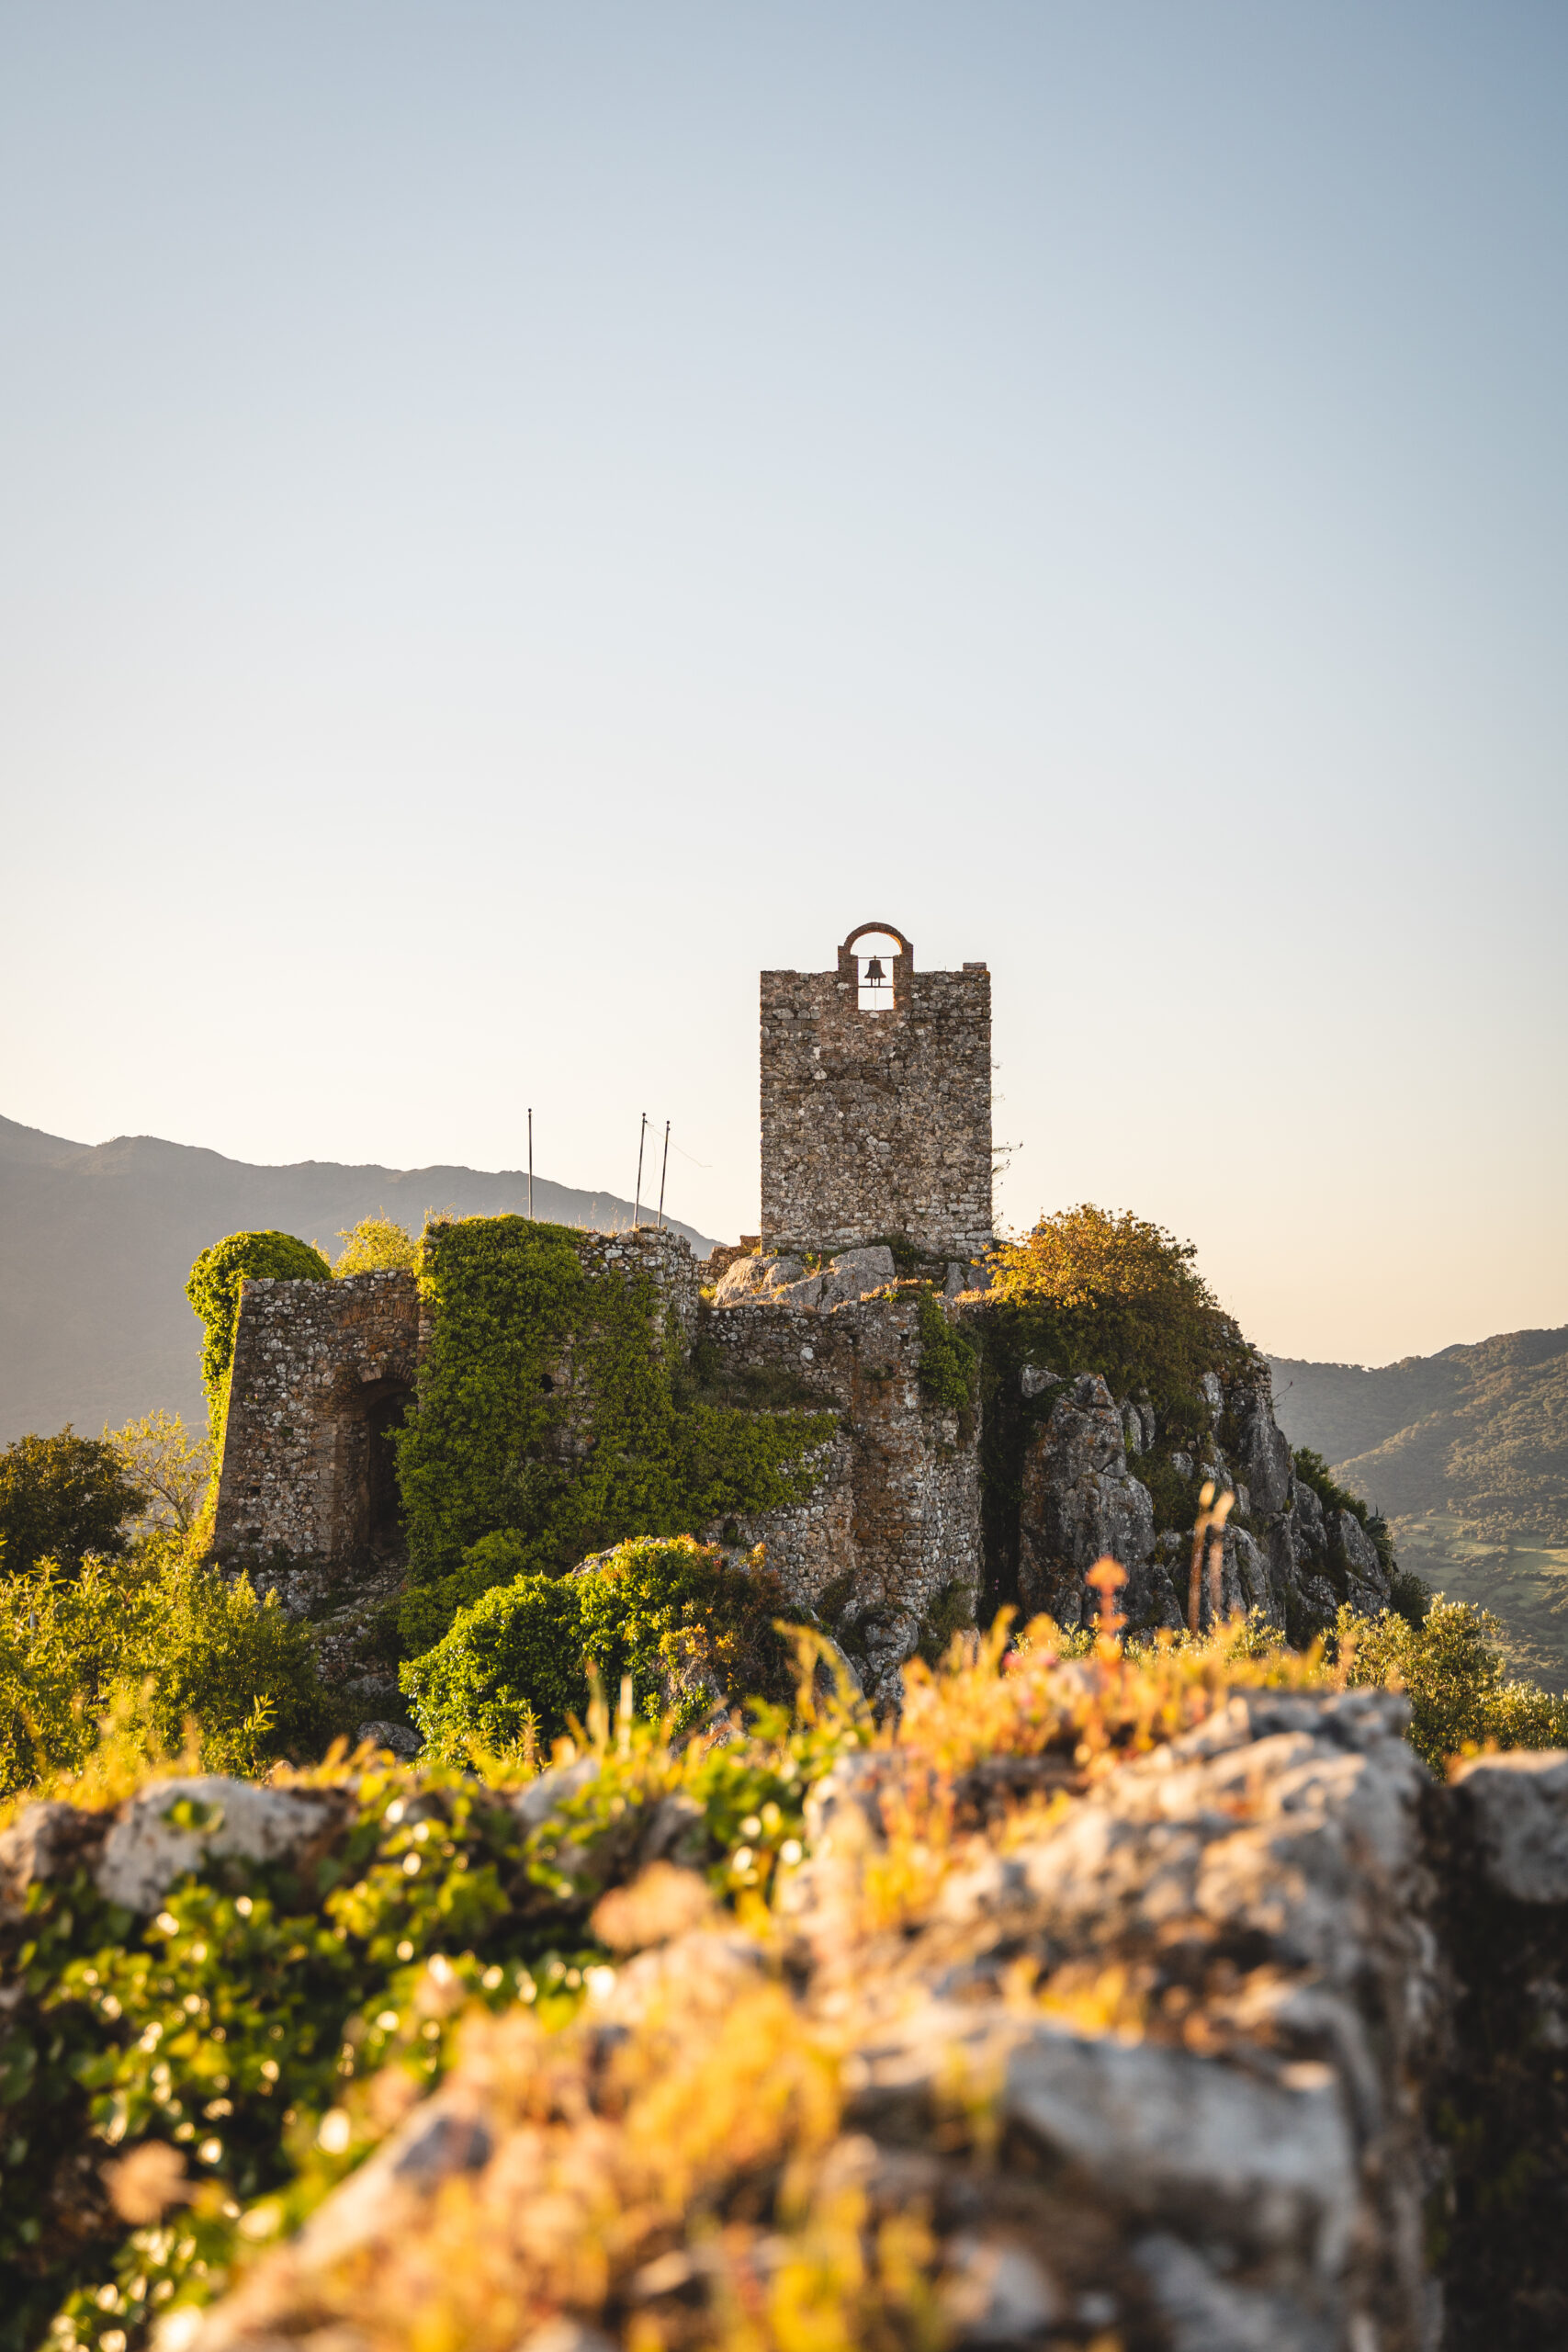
{"x": 873, "y": 973}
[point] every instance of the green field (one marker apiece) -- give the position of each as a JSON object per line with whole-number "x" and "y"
{"x": 1524, "y": 1584}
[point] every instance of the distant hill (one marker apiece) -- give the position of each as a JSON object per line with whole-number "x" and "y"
{"x": 1467, "y": 1453}
{"x": 97, "y": 1240}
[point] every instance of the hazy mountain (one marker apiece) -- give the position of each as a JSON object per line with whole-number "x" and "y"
{"x": 1467, "y": 1453}
{"x": 97, "y": 1240}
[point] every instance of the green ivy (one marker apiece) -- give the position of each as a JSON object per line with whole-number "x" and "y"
{"x": 552, "y": 1421}
{"x": 213, "y": 1289}
{"x": 950, "y": 1365}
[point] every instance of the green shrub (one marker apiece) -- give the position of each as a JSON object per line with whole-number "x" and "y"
{"x": 500, "y": 1445}
{"x": 62, "y": 1497}
{"x": 163, "y": 1643}
{"x": 1455, "y": 1679}
{"x": 213, "y": 1289}
{"x": 265, "y": 1998}
{"x": 950, "y": 1363}
{"x": 686, "y": 1626}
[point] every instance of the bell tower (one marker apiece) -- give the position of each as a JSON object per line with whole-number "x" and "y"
{"x": 876, "y": 1101}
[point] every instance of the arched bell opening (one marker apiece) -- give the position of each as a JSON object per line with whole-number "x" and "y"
{"x": 878, "y": 960}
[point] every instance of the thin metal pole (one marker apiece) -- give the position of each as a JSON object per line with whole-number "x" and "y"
{"x": 530, "y": 1163}
{"x": 641, "y": 1140}
{"x": 664, "y": 1166}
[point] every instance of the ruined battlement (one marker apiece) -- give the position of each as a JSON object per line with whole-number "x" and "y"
{"x": 323, "y": 1373}
{"x": 877, "y": 1102}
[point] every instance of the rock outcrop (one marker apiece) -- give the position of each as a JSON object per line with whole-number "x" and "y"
{"x": 1088, "y": 1488}
{"x": 1189, "y": 2063}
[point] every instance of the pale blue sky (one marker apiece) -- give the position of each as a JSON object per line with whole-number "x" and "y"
{"x": 512, "y": 519}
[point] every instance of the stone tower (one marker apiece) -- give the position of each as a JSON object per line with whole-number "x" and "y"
{"x": 876, "y": 1103}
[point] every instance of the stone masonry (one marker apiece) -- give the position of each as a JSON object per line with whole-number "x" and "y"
{"x": 894, "y": 1523}
{"x": 322, "y": 1375}
{"x": 876, "y": 1123}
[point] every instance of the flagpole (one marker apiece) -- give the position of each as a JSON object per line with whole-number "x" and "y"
{"x": 663, "y": 1167}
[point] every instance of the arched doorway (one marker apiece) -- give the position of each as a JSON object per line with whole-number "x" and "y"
{"x": 383, "y": 1404}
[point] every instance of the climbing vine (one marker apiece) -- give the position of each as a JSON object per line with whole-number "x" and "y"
{"x": 950, "y": 1365}
{"x": 549, "y": 1423}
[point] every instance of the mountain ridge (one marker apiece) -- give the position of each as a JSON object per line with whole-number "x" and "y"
{"x": 97, "y": 1240}
{"x": 1467, "y": 1454}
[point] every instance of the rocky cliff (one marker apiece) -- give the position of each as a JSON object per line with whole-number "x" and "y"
{"x": 1099, "y": 2006}
{"x": 1099, "y": 1476}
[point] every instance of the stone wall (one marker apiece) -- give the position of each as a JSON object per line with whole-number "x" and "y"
{"x": 322, "y": 1376}
{"x": 322, "y": 1373}
{"x": 876, "y": 1123}
{"x": 896, "y": 1521}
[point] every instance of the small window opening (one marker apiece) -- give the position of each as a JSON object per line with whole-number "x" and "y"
{"x": 546, "y": 1383}
{"x": 873, "y": 972}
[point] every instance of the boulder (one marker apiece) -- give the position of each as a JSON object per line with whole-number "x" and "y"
{"x": 1198, "y": 2004}
{"x": 855, "y": 1272}
{"x": 755, "y": 1277}
{"x": 398, "y": 1739}
{"x": 1515, "y": 1808}
{"x": 169, "y": 1827}
{"x": 1352, "y": 1548}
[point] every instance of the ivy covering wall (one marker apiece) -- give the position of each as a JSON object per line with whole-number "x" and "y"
{"x": 553, "y": 1420}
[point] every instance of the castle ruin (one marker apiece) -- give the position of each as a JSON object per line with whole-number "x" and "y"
{"x": 876, "y": 1138}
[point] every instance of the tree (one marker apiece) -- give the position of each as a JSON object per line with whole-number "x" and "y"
{"x": 171, "y": 1651}
{"x": 1459, "y": 1692}
{"x": 1086, "y": 1256}
{"x": 61, "y": 1498}
{"x": 170, "y": 1465}
{"x": 376, "y": 1244}
{"x": 213, "y": 1289}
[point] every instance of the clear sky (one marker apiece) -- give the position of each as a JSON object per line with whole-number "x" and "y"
{"x": 513, "y": 518}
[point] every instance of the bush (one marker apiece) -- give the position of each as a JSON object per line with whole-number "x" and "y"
{"x": 688, "y": 1627}
{"x": 166, "y": 1646}
{"x": 377, "y": 1245}
{"x": 64, "y": 1496}
{"x": 213, "y": 1289}
{"x": 1087, "y": 1257}
{"x": 1094, "y": 1290}
{"x": 1456, "y": 1681}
